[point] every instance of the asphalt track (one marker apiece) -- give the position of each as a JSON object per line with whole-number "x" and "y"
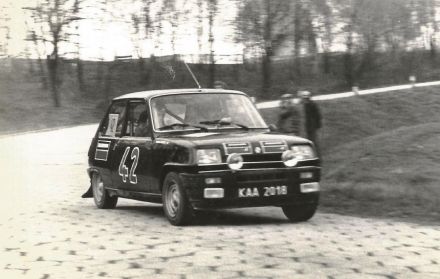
{"x": 48, "y": 231}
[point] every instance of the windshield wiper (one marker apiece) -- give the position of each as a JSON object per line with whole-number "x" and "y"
{"x": 223, "y": 122}
{"x": 183, "y": 125}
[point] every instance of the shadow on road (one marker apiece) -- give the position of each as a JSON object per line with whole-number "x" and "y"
{"x": 236, "y": 217}
{"x": 153, "y": 210}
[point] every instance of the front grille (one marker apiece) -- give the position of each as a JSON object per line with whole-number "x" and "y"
{"x": 239, "y": 148}
{"x": 262, "y": 157}
{"x": 274, "y": 146}
{"x": 262, "y": 161}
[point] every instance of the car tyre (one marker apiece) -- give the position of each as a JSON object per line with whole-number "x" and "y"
{"x": 175, "y": 203}
{"x": 101, "y": 196}
{"x": 302, "y": 213}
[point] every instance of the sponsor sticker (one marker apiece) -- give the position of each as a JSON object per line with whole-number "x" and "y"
{"x": 112, "y": 124}
{"x": 101, "y": 152}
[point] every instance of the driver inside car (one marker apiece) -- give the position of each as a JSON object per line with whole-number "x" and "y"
{"x": 143, "y": 124}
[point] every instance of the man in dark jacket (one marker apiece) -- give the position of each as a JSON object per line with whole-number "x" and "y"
{"x": 289, "y": 121}
{"x": 312, "y": 118}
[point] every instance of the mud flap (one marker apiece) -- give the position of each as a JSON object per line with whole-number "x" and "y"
{"x": 89, "y": 193}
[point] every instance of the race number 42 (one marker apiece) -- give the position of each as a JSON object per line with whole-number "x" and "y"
{"x": 123, "y": 169}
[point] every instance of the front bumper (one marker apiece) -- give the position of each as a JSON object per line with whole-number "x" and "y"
{"x": 232, "y": 181}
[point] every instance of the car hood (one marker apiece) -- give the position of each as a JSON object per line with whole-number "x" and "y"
{"x": 216, "y": 138}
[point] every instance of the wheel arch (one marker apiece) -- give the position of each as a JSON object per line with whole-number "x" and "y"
{"x": 91, "y": 171}
{"x": 171, "y": 167}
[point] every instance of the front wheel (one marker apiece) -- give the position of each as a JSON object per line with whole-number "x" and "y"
{"x": 175, "y": 203}
{"x": 299, "y": 213}
{"x": 101, "y": 196}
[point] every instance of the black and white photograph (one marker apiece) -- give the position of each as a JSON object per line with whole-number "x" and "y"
{"x": 220, "y": 139}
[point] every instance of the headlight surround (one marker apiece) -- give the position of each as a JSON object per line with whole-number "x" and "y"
{"x": 303, "y": 152}
{"x": 208, "y": 156}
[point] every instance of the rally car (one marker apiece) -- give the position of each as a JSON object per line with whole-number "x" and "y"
{"x": 199, "y": 149}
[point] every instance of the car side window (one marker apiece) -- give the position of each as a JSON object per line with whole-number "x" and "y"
{"x": 138, "y": 122}
{"x": 114, "y": 121}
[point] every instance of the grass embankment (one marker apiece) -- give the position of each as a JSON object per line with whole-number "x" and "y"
{"x": 381, "y": 154}
{"x": 25, "y": 106}
{"x": 396, "y": 169}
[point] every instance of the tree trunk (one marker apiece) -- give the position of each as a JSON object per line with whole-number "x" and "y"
{"x": 212, "y": 69}
{"x": 108, "y": 82}
{"x": 297, "y": 37}
{"x": 43, "y": 78}
{"x": 80, "y": 75}
{"x": 143, "y": 77}
{"x": 326, "y": 62}
{"x": 267, "y": 58}
{"x": 348, "y": 69}
{"x": 52, "y": 66}
{"x": 266, "y": 71}
{"x": 99, "y": 74}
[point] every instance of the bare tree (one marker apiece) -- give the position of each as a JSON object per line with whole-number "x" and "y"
{"x": 5, "y": 30}
{"x": 264, "y": 25}
{"x": 321, "y": 24}
{"x": 79, "y": 65}
{"x": 368, "y": 24}
{"x": 201, "y": 9}
{"x": 53, "y": 16}
{"x": 212, "y": 10}
{"x": 32, "y": 37}
{"x": 138, "y": 38}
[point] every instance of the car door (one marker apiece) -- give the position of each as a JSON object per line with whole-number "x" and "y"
{"x": 133, "y": 150}
{"x": 108, "y": 134}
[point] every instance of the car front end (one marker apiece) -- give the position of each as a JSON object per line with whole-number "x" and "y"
{"x": 253, "y": 169}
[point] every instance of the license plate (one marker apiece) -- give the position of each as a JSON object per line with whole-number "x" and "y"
{"x": 252, "y": 192}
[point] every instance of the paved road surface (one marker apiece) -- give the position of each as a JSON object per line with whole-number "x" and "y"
{"x": 48, "y": 231}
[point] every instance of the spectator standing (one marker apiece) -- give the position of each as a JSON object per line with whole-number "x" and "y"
{"x": 289, "y": 120}
{"x": 312, "y": 117}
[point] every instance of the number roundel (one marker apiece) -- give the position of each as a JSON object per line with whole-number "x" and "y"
{"x": 123, "y": 169}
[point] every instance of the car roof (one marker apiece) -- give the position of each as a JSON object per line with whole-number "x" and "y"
{"x": 153, "y": 93}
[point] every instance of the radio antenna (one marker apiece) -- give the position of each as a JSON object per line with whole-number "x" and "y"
{"x": 192, "y": 74}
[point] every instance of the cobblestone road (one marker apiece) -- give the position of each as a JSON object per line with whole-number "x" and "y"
{"x": 48, "y": 231}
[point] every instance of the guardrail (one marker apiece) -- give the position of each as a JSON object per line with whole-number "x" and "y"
{"x": 276, "y": 103}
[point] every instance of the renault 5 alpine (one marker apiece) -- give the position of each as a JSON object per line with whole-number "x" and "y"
{"x": 199, "y": 149}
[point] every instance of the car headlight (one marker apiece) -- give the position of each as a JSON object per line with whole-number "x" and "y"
{"x": 208, "y": 156}
{"x": 235, "y": 161}
{"x": 289, "y": 159}
{"x": 303, "y": 152}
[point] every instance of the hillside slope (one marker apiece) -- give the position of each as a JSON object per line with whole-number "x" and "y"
{"x": 395, "y": 173}
{"x": 400, "y": 164}
{"x": 354, "y": 118}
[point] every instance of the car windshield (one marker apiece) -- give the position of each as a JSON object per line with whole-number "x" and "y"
{"x": 205, "y": 110}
